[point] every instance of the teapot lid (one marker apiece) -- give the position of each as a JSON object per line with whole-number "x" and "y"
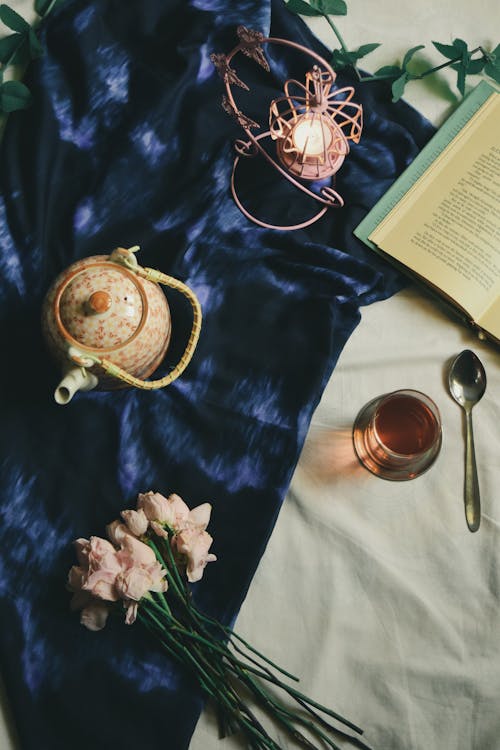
{"x": 101, "y": 305}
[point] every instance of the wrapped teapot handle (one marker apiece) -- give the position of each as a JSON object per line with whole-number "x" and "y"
{"x": 117, "y": 372}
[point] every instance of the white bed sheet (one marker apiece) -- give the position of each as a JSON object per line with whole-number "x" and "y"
{"x": 374, "y": 592}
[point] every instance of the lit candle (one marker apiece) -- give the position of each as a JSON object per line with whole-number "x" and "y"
{"x": 312, "y": 136}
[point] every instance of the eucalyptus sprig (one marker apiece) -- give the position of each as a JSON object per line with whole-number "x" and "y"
{"x": 18, "y": 49}
{"x": 458, "y": 56}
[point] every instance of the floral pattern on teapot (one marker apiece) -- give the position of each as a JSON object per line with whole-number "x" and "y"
{"x": 98, "y": 305}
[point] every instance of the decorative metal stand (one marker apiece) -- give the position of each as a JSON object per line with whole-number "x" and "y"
{"x": 312, "y": 125}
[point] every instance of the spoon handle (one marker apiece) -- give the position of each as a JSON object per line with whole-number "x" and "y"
{"x": 471, "y": 485}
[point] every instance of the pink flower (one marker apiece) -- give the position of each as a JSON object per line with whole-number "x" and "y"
{"x": 94, "y": 612}
{"x": 154, "y": 506}
{"x": 82, "y": 548}
{"x": 136, "y": 520}
{"x": 133, "y": 583}
{"x": 76, "y": 578}
{"x": 102, "y": 585}
{"x": 103, "y": 567}
{"x": 130, "y": 612}
{"x": 194, "y": 545}
{"x": 117, "y": 532}
{"x": 199, "y": 517}
{"x": 123, "y": 538}
{"x": 140, "y": 571}
{"x": 134, "y": 552}
{"x": 158, "y": 582}
{"x": 158, "y": 529}
{"x": 179, "y": 511}
{"x": 126, "y": 567}
{"x": 94, "y": 615}
{"x": 171, "y": 511}
{"x": 102, "y": 555}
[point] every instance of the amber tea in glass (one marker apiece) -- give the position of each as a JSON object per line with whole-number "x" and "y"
{"x": 398, "y": 436}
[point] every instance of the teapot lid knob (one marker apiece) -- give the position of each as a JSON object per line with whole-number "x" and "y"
{"x": 99, "y": 302}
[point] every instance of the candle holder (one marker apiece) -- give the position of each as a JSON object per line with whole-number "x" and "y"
{"x": 312, "y": 124}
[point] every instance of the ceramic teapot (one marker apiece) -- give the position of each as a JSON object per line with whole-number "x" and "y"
{"x": 107, "y": 321}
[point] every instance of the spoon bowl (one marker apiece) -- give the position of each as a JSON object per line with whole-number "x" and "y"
{"x": 467, "y": 379}
{"x": 467, "y": 384}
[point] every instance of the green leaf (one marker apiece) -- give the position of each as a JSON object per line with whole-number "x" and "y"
{"x": 473, "y": 66}
{"x": 22, "y": 56}
{"x": 463, "y": 65}
{"x": 410, "y": 54}
{"x": 461, "y": 80}
{"x": 494, "y": 55}
{"x": 302, "y": 8}
{"x": 8, "y": 46}
{"x": 398, "y": 87}
{"x": 493, "y": 70}
{"x": 460, "y": 45}
{"x": 341, "y": 59}
{"x": 461, "y": 69}
{"x": 476, "y": 66}
{"x": 492, "y": 64}
{"x": 330, "y": 7}
{"x": 365, "y": 49}
{"x": 389, "y": 70}
{"x": 12, "y": 19}
{"x": 14, "y": 95}
{"x": 446, "y": 50}
{"x": 36, "y": 49}
{"x": 459, "y": 52}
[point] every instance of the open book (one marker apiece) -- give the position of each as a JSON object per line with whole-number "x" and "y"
{"x": 440, "y": 221}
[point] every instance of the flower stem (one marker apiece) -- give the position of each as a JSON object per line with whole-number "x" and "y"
{"x": 283, "y": 714}
{"x": 337, "y": 33}
{"x": 343, "y": 45}
{"x": 224, "y": 665}
{"x": 234, "y": 707}
{"x": 232, "y": 634}
{"x": 280, "y": 712}
{"x": 298, "y": 695}
{"x": 425, "y": 73}
{"x": 448, "y": 63}
{"x": 54, "y": 2}
{"x": 238, "y": 668}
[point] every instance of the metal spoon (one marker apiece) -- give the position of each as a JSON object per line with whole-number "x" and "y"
{"x": 467, "y": 381}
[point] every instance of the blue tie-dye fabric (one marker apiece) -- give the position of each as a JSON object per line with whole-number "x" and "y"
{"x": 127, "y": 143}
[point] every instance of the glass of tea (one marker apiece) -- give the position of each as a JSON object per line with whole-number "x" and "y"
{"x": 398, "y": 435}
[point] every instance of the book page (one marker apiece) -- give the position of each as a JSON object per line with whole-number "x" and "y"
{"x": 447, "y": 226}
{"x": 490, "y": 318}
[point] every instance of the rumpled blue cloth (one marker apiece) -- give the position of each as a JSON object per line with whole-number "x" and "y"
{"x": 127, "y": 144}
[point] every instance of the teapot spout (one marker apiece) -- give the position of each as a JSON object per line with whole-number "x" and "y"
{"x": 76, "y": 379}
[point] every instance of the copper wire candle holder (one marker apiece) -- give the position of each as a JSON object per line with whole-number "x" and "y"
{"x": 312, "y": 124}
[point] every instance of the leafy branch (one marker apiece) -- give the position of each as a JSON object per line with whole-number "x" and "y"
{"x": 18, "y": 49}
{"x": 459, "y": 57}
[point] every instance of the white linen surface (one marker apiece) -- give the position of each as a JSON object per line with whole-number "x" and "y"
{"x": 374, "y": 592}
